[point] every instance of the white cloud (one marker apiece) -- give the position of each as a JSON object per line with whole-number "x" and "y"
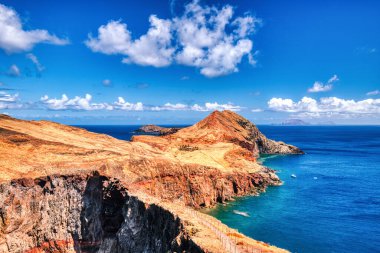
{"x": 9, "y": 101}
{"x": 203, "y": 37}
{"x": 5, "y": 97}
{"x": 215, "y": 106}
{"x": 321, "y": 87}
{"x": 106, "y": 82}
{"x": 86, "y": 104}
{"x": 13, "y": 38}
{"x": 257, "y": 110}
{"x": 210, "y": 40}
{"x": 36, "y": 62}
{"x": 373, "y": 93}
{"x": 151, "y": 49}
{"x": 14, "y": 71}
{"x": 76, "y": 103}
{"x": 333, "y": 79}
{"x": 196, "y": 107}
{"x": 171, "y": 107}
{"x": 327, "y": 106}
{"x": 121, "y": 104}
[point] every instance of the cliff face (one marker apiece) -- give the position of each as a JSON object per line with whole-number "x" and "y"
{"x": 84, "y": 213}
{"x": 205, "y": 187}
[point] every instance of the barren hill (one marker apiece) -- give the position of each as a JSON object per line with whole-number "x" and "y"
{"x": 69, "y": 190}
{"x": 224, "y": 140}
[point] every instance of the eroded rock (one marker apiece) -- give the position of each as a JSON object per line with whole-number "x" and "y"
{"x": 84, "y": 213}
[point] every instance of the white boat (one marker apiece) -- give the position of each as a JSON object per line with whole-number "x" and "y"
{"x": 245, "y": 214}
{"x": 293, "y": 176}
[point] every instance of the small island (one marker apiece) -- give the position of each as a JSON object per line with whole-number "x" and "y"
{"x": 158, "y": 130}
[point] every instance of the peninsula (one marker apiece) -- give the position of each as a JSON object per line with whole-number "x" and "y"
{"x": 65, "y": 189}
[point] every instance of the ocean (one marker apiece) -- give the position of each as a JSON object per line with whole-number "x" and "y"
{"x": 333, "y": 204}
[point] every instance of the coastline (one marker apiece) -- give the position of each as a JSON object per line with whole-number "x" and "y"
{"x": 157, "y": 170}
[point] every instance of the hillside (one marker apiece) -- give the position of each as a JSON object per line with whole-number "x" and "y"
{"x": 64, "y": 188}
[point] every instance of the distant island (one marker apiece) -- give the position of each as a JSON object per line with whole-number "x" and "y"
{"x": 300, "y": 122}
{"x": 153, "y": 129}
{"x": 294, "y": 122}
{"x": 65, "y": 188}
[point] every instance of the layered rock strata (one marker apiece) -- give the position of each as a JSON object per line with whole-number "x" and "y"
{"x": 84, "y": 213}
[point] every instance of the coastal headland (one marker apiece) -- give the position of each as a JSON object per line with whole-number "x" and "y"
{"x": 65, "y": 189}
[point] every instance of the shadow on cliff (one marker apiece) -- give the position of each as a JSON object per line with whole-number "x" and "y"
{"x": 113, "y": 221}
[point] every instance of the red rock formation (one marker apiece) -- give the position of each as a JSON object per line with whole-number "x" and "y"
{"x": 212, "y": 161}
{"x": 227, "y": 126}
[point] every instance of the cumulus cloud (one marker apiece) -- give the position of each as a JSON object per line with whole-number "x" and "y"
{"x": 373, "y": 93}
{"x": 36, "y": 62}
{"x": 196, "y": 107}
{"x": 151, "y": 49}
{"x": 85, "y": 104}
{"x": 171, "y": 107}
{"x": 14, "y": 71}
{"x": 204, "y": 37}
{"x": 76, "y": 103}
{"x": 210, "y": 39}
{"x": 5, "y": 97}
{"x": 121, "y": 104}
{"x": 327, "y": 106}
{"x": 9, "y": 101}
{"x": 321, "y": 87}
{"x": 13, "y": 38}
{"x": 215, "y": 106}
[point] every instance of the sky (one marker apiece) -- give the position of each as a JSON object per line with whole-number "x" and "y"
{"x": 174, "y": 62}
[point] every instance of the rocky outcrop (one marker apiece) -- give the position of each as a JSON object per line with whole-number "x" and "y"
{"x": 227, "y": 126}
{"x": 153, "y": 129}
{"x": 84, "y": 213}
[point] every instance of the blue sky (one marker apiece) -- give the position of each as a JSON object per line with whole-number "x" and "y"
{"x": 172, "y": 62}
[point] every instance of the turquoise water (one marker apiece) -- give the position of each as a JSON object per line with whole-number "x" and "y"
{"x": 332, "y": 206}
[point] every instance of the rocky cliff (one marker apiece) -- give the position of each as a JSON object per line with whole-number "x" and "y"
{"x": 210, "y": 162}
{"x": 84, "y": 213}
